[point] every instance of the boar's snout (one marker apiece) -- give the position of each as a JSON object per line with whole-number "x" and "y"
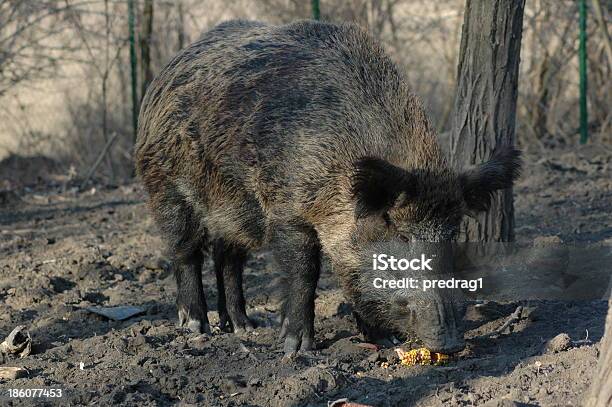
{"x": 439, "y": 326}
{"x": 447, "y": 345}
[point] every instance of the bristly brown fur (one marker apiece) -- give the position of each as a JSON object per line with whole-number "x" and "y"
{"x": 308, "y": 125}
{"x": 276, "y": 126}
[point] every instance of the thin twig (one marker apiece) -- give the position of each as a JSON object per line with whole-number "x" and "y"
{"x": 515, "y": 316}
{"x": 96, "y": 164}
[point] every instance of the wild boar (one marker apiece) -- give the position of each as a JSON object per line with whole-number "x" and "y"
{"x": 305, "y": 138}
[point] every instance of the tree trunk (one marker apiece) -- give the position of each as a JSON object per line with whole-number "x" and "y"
{"x": 600, "y": 393}
{"x": 485, "y": 103}
{"x": 145, "y": 45}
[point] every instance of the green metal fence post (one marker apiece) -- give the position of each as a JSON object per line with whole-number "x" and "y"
{"x": 584, "y": 120}
{"x": 133, "y": 64}
{"x": 316, "y": 10}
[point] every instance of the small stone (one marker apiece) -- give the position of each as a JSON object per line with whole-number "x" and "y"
{"x": 473, "y": 313}
{"x": 529, "y": 313}
{"x": 145, "y": 325}
{"x": 500, "y": 403}
{"x": 546, "y": 241}
{"x": 559, "y": 343}
{"x": 329, "y": 335}
{"x": 254, "y": 382}
{"x": 139, "y": 340}
{"x": 199, "y": 342}
{"x": 145, "y": 276}
{"x": 232, "y": 385}
{"x": 11, "y": 373}
{"x": 155, "y": 264}
{"x": 374, "y": 356}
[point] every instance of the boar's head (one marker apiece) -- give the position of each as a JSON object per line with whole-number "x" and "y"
{"x": 418, "y": 211}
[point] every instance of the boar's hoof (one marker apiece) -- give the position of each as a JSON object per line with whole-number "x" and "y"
{"x": 284, "y": 327}
{"x": 307, "y": 343}
{"x": 243, "y": 325}
{"x": 198, "y": 325}
{"x": 225, "y": 323}
{"x": 239, "y": 324}
{"x": 293, "y": 343}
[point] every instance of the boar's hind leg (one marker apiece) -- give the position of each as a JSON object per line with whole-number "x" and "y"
{"x": 229, "y": 264}
{"x": 190, "y": 299}
{"x": 297, "y": 251}
{"x": 182, "y": 233}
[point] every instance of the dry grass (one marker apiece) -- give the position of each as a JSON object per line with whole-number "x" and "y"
{"x": 62, "y": 116}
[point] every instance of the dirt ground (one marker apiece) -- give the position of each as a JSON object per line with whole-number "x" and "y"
{"x": 62, "y": 251}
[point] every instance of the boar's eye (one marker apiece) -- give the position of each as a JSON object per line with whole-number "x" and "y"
{"x": 387, "y": 219}
{"x": 405, "y": 238}
{"x": 402, "y": 302}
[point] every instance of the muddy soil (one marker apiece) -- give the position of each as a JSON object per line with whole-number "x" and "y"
{"x": 62, "y": 251}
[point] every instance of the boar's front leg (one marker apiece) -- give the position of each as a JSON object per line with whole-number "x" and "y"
{"x": 297, "y": 251}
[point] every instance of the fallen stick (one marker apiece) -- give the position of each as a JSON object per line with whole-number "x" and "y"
{"x": 96, "y": 164}
{"x": 345, "y": 403}
{"x": 585, "y": 341}
{"x": 515, "y": 316}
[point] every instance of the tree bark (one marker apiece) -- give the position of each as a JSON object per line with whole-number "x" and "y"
{"x": 485, "y": 103}
{"x": 145, "y": 45}
{"x": 600, "y": 393}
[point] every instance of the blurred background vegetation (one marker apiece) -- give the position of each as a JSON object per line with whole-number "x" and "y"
{"x": 65, "y": 87}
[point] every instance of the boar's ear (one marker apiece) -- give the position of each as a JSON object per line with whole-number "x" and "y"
{"x": 376, "y": 185}
{"x": 481, "y": 182}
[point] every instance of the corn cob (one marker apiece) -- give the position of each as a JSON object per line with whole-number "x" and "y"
{"x": 421, "y": 356}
